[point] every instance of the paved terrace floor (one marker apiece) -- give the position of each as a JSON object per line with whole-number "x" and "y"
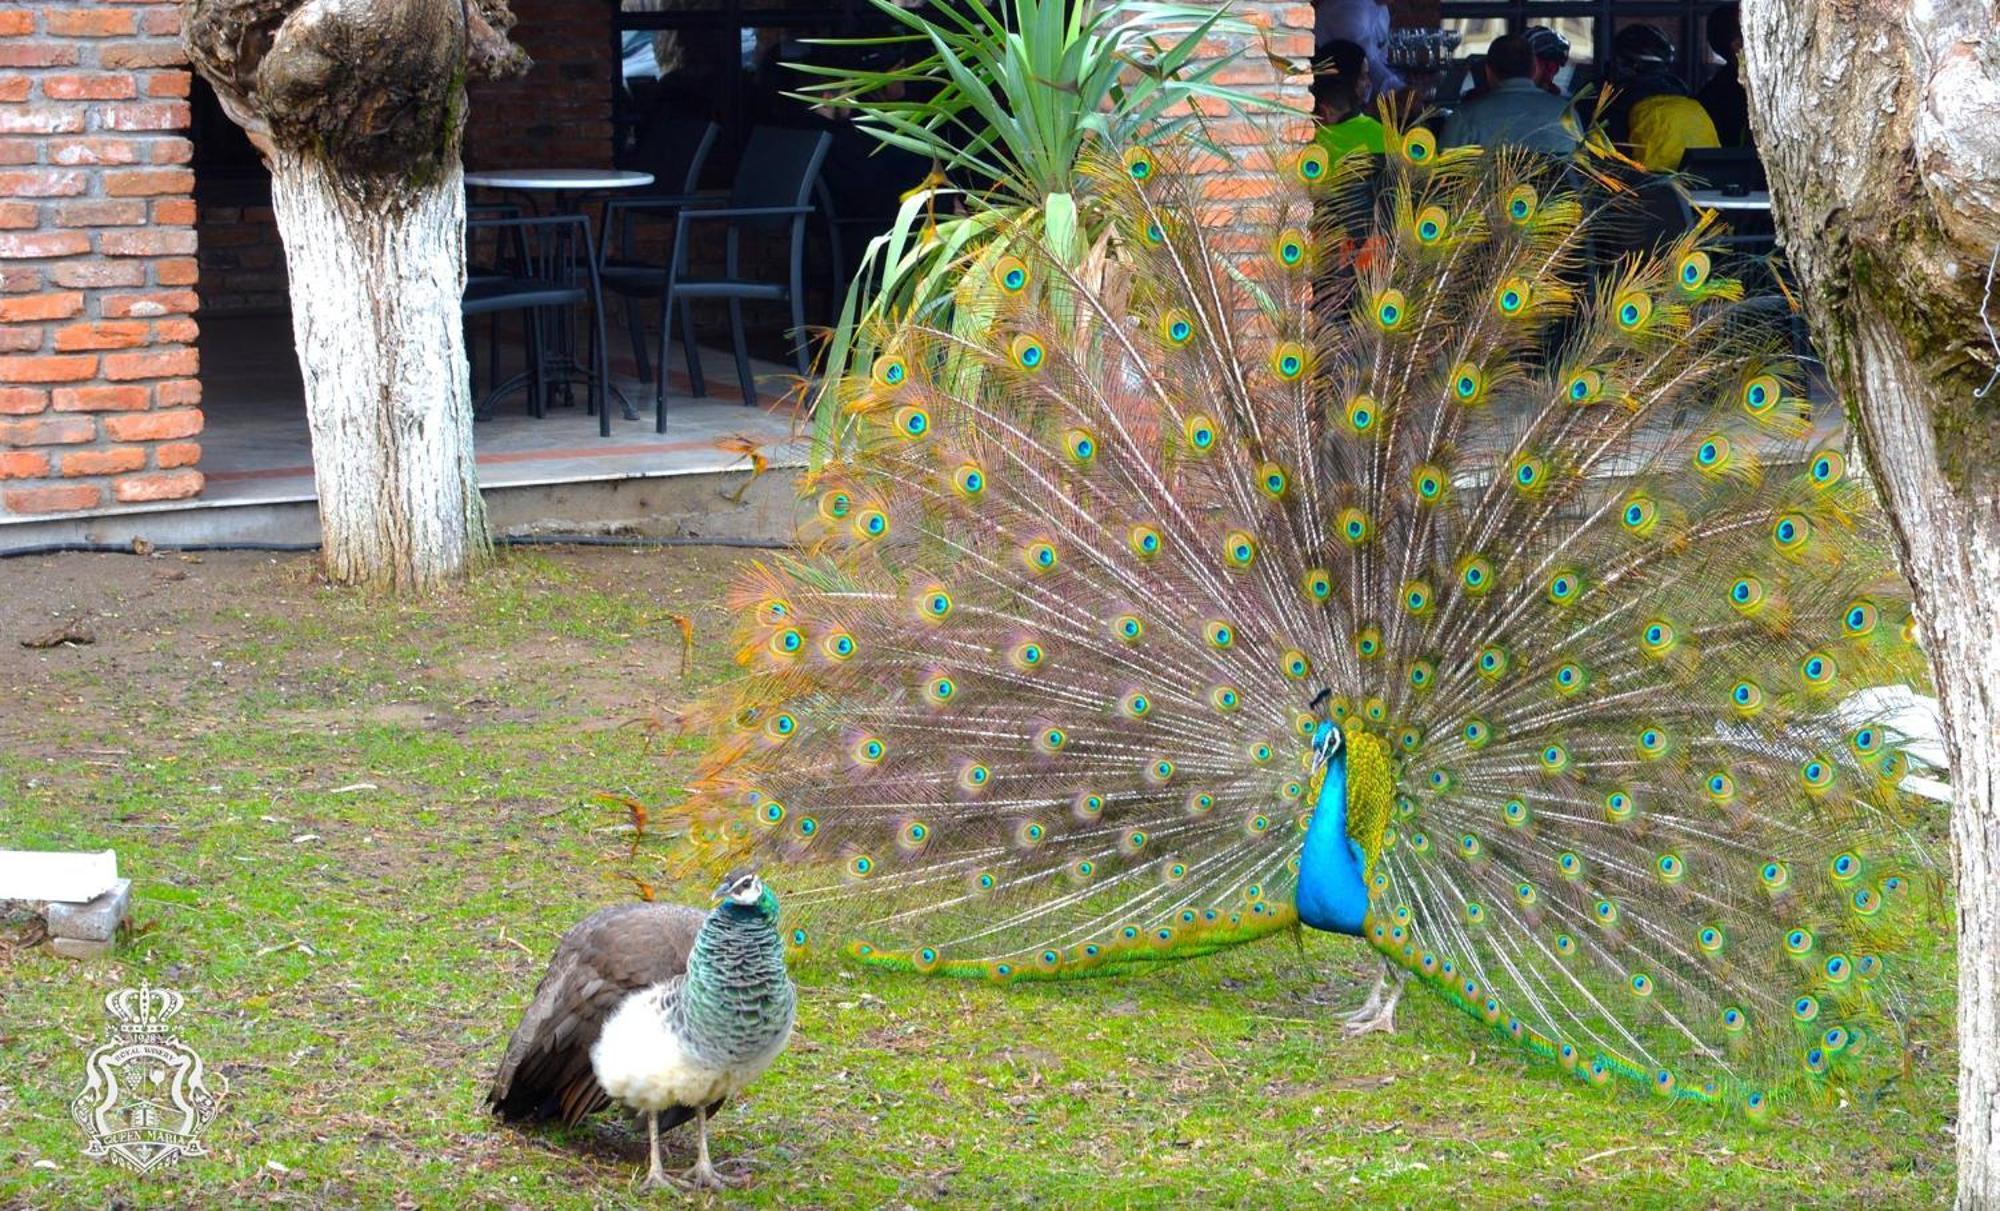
{"x": 256, "y": 447}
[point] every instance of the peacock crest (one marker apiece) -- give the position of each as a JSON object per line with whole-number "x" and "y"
{"x": 1554, "y": 529}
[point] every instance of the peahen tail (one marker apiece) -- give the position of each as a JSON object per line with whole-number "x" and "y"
{"x": 1553, "y": 528}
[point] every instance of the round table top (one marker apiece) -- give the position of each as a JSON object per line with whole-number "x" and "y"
{"x": 1715, "y": 199}
{"x": 559, "y": 178}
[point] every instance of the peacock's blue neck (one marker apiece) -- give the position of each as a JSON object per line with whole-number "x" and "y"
{"x": 1332, "y": 893}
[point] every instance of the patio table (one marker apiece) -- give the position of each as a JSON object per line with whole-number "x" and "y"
{"x": 567, "y": 188}
{"x": 1715, "y": 199}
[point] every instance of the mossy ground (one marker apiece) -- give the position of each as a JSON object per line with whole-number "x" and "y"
{"x": 357, "y": 828}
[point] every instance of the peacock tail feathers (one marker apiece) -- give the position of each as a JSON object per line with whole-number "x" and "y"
{"x": 1582, "y": 581}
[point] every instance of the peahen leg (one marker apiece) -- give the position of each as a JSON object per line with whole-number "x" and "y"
{"x": 1378, "y": 1012}
{"x": 655, "y": 1175}
{"x": 703, "y": 1175}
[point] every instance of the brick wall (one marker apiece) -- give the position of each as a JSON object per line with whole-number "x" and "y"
{"x": 98, "y": 397}
{"x": 1238, "y": 200}
{"x": 559, "y": 114}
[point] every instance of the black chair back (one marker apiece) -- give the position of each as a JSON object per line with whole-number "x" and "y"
{"x": 674, "y": 150}
{"x": 779, "y": 168}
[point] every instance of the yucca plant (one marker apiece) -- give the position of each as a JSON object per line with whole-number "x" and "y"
{"x": 1003, "y": 99}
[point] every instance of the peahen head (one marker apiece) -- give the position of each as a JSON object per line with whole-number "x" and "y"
{"x": 742, "y": 890}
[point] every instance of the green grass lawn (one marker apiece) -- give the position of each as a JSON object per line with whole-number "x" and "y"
{"x": 357, "y": 829}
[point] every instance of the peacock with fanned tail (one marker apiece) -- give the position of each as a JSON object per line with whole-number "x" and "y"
{"x": 1426, "y": 575}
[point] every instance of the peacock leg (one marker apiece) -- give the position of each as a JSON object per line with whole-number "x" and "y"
{"x": 655, "y": 1175}
{"x": 1378, "y": 1013}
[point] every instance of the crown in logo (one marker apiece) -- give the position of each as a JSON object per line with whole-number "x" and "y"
{"x": 143, "y": 1010}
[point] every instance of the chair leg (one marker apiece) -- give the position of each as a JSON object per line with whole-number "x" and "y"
{"x": 799, "y": 340}
{"x": 696, "y": 382}
{"x": 635, "y": 326}
{"x": 531, "y": 327}
{"x": 746, "y": 381}
{"x": 660, "y": 367}
{"x": 600, "y": 358}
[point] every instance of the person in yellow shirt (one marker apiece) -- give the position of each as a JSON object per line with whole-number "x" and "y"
{"x": 1340, "y": 82}
{"x": 1651, "y": 114}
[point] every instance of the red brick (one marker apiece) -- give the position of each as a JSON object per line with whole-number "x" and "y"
{"x": 15, "y": 152}
{"x": 14, "y": 88}
{"x": 153, "y": 426}
{"x": 36, "y": 54}
{"x": 103, "y": 399}
{"x": 168, "y": 84}
{"x": 63, "y": 499}
{"x": 177, "y": 454}
{"x": 39, "y": 119}
{"x": 159, "y": 363}
{"x": 122, "y": 213}
{"x": 178, "y": 391}
{"x": 20, "y": 279}
{"x": 23, "y": 401}
{"x": 89, "y": 22}
{"x": 116, "y": 334}
{"x": 16, "y": 24}
{"x": 159, "y": 302}
{"x": 23, "y": 464}
{"x": 115, "y": 461}
{"x": 141, "y": 54}
{"x": 94, "y": 151}
{"x": 40, "y": 307}
{"x": 21, "y": 338}
{"x": 75, "y": 274}
{"x": 29, "y": 245}
{"x": 42, "y": 182}
{"x": 161, "y": 485}
{"x": 176, "y": 271}
{"x": 170, "y": 151}
{"x": 148, "y": 182}
{"x": 163, "y": 22}
{"x": 89, "y": 88}
{"x": 17, "y": 216}
{"x": 174, "y": 212}
{"x": 147, "y": 115}
{"x": 150, "y": 241}
{"x": 176, "y": 330}
{"x": 47, "y": 369}
{"x": 54, "y": 431}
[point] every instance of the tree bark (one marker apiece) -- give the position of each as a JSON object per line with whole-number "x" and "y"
{"x": 375, "y": 289}
{"x": 359, "y": 108}
{"x": 1879, "y": 123}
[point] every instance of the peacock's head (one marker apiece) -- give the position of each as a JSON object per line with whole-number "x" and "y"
{"x": 742, "y": 888}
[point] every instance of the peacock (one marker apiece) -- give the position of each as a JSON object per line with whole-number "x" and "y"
{"x": 660, "y": 1007}
{"x": 1415, "y": 568}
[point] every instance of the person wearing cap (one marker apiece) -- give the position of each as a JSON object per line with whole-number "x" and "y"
{"x": 1512, "y": 109}
{"x": 1340, "y": 89}
{"x": 1551, "y": 56}
{"x": 1650, "y": 115}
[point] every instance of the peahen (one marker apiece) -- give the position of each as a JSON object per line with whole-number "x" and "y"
{"x": 665, "y": 1009}
{"x": 1419, "y": 570}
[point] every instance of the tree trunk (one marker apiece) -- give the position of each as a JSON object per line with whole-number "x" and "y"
{"x": 1879, "y": 123}
{"x": 375, "y": 286}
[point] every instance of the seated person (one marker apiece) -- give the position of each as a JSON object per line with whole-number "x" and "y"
{"x": 1551, "y": 56}
{"x": 1340, "y": 82}
{"x": 1513, "y": 109}
{"x": 1651, "y": 114}
{"x": 1723, "y": 97}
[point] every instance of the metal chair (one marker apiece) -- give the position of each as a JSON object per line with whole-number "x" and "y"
{"x": 772, "y": 194}
{"x": 674, "y": 150}
{"x": 553, "y": 267}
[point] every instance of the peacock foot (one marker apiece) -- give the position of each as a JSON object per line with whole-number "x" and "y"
{"x": 1377, "y": 1014}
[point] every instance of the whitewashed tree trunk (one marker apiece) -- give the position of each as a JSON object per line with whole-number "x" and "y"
{"x": 375, "y": 285}
{"x": 1879, "y": 123}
